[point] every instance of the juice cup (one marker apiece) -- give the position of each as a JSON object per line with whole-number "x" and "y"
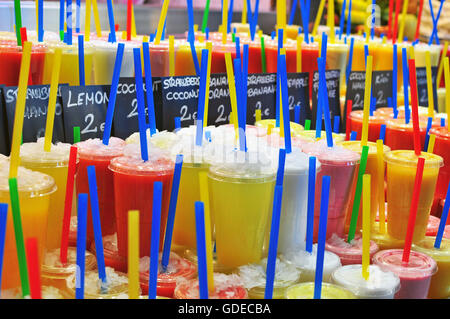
{"x": 380, "y": 284}
{"x": 225, "y": 287}
{"x": 253, "y": 277}
{"x": 218, "y": 56}
{"x": 419, "y": 54}
{"x": 400, "y": 136}
{"x": 184, "y": 63}
{"x": 35, "y": 191}
{"x": 337, "y": 58}
{"x": 415, "y": 277}
{"x": 159, "y": 58}
{"x": 94, "y": 152}
{"x": 385, "y": 60}
{"x": 375, "y": 122}
{"x": 442, "y": 148}
{"x": 329, "y": 291}
{"x": 164, "y": 140}
{"x": 440, "y": 282}
{"x": 271, "y": 49}
{"x": 254, "y": 55}
{"x": 310, "y": 53}
{"x": 241, "y": 193}
{"x": 341, "y": 165}
{"x": 384, "y": 240}
{"x": 133, "y": 190}
{"x": 349, "y": 253}
{"x": 306, "y": 263}
{"x": 55, "y": 164}
{"x": 401, "y": 174}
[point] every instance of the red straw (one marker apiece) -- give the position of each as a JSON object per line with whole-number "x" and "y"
{"x": 347, "y": 124}
{"x": 413, "y": 211}
{"x": 414, "y": 106}
{"x": 419, "y": 17}
{"x": 129, "y": 20}
{"x": 394, "y": 33}
{"x": 33, "y": 268}
{"x": 391, "y": 8}
{"x": 23, "y": 34}
{"x": 68, "y": 204}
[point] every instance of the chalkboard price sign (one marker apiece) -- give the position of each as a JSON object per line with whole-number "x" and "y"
{"x": 333, "y": 78}
{"x": 422, "y": 87}
{"x": 219, "y": 106}
{"x": 381, "y": 87}
{"x": 298, "y": 91}
{"x": 355, "y": 89}
{"x": 261, "y": 94}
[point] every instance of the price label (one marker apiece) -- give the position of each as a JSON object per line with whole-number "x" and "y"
{"x": 422, "y": 86}
{"x": 333, "y": 79}
{"x": 261, "y": 94}
{"x": 298, "y": 91}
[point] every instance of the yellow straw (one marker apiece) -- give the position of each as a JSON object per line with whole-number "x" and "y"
{"x": 224, "y": 21}
{"x": 257, "y": 115}
{"x": 208, "y": 79}
{"x": 318, "y": 17}
{"x": 244, "y": 12}
{"x": 20, "y": 109}
{"x": 162, "y": 19}
{"x": 447, "y": 90}
{"x": 330, "y": 19}
{"x": 381, "y": 201}
{"x": 299, "y": 54}
{"x": 124, "y": 35}
{"x": 145, "y": 38}
{"x": 204, "y": 197}
{"x": 98, "y": 29}
{"x": 411, "y": 52}
{"x": 367, "y": 89}
{"x": 441, "y": 63}
{"x": 133, "y": 22}
{"x": 133, "y": 254}
{"x": 260, "y": 33}
{"x": 171, "y": 55}
{"x": 281, "y": 15}
{"x": 429, "y": 85}
{"x": 366, "y": 227}
{"x": 402, "y": 23}
{"x": 269, "y": 129}
{"x": 52, "y": 100}
{"x": 232, "y": 88}
{"x": 87, "y": 23}
{"x": 195, "y": 27}
{"x": 431, "y": 143}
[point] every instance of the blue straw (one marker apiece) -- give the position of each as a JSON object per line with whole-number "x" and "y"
{"x": 238, "y": 49}
{"x": 326, "y": 111}
{"x": 244, "y": 84}
{"x": 81, "y": 245}
{"x": 207, "y": 33}
{"x": 297, "y": 110}
{"x": 373, "y": 103}
{"x": 442, "y": 223}
{"x": 341, "y": 22}
{"x": 201, "y": 98}
{"x": 191, "y": 40}
{"x": 273, "y": 242}
{"x": 350, "y": 59}
{"x": 177, "y": 123}
{"x": 154, "y": 246}
{"x": 140, "y": 103}
{"x": 77, "y": 17}
{"x": 285, "y": 106}
{"x": 405, "y": 84}
{"x": 319, "y": 111}
{"x": 254, "y": 20}
{"x": 323, "y": 52}
{"x": 394, "y": 81}
{"x": 81, "y": 60}
{"x": 353, "y": 135}
{"x": 336, "y": 124}
{"x": 61, "y": 15}
{"x": 372, "y": 26}
{"x": 435, "y": 22}
{"x": 322, "y": 236}
{"x": 349, "y": 18}
{"x": 292, "y": 14}
{"x": 95, "y": 211}
{"x": 366, "y": 53}
{"x": 280, "y": 170}
{"x": 201, "y": 249}
{"x": 69, "y": 22}
{"x": 149, "y": 86}
{"x": 152, "y": 37}
{"x": 208, "y": 136}
{"x": 273, "y": 34}
{"x": 190, "y": 11}
{"x": 3, "y": 219}
{"x": 427, "y": 134}
{"x": 40, "y": 20}
{"x": 382, "y": 132}
{"x": 442, "y": 122}
{"x": 230, "y": 15}
{"x": 172, "y": 211}
{"x": 310, "y": 209}
{"x": 113, "y": 94}
{"x": 112, "y": 27}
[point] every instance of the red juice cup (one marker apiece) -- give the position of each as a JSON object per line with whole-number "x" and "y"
{"x": 94, "y": 152}
{"x": 110, "y": 253}
{"x": 442, "y": 148}
{"x": 350, "y": 253}
{"x": 218, "y": 56}
{"x": 133, "y": 190}
{"x": 159, "y": 58}
{"x": 310, "y": 53}
{"x": 375, "y": 122}
{"x": 271, "y": 48}
{"x": 254, "y": 55}
{"x": 341, "y": 165}
{"x": 400, "y": 136}
{"x": 415, "y": 277}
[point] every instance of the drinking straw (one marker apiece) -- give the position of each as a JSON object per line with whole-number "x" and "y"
{"x": 402, "y": 23}
{"x": 299, "y": 54}
{"x": 413, "y": 210}
{"x": 87, "y": 22}
{"x": 366, "y": 53}
{"x": 431, "y": 141}
{"x": 207, "y": 31}
{"x": 296, "y": 113}
{"x": 205, "y": 16}
{"x": 81, "y": 60}
{"x": 330, "y": 19}
{"x": 442, "y": 223}
{"x": 367, "y": 94}
{"x": 380, "y": 171}
{"x": 129, "y": 20}
{"x": 447, "y": 89}
{"x": 280, "y": 170}
{"x": 81, "y": 245}
{"x": 263, "y": 56}
{"x": 394, "y": 80}
{"x": 427, "y": 136}
{"x": 95, "y": 211}
{"x": 201, "y": 98}
{"x": 240, "y": 98}
{"x": 33, "y": 267}
{"x": 310, "y": 207}
{"x": 208, "y": 80}
{"x": 162, "y": 19}
{"x": 348, "y": 120}
{"x": 321, "y": 236}
{"x": 336, "y": 124}
{"x": 325, "y": 110}
{"x": 358, "y": 191}
{"x": 292, "y": 13}
{"x": 96, "y": 18}
{"x": 201, "y": 249}
{"x": 18, "y": 21}
{"x": 191, "y": 40}
{"x": 112, "y": 28}
{"x": 113, "y": 93}
{"x": 230, "y": 15}
{"x": 429, "y": 85}
{"x": 350, "y": 61}
{"x": 318, "y": 17}
{"x": 172, "y": 55}
{"x": 3, "y": 220}
{"x": 149, "y": 86}
{"x": 244, "y": 85}
{"x": 23, "y": 34}
{"x": 372, "y": 25}
{"x": 177, "y": 123}
{"x": 77, "y": 17}
{"x": 133, "y": 23}
{"x": 72, "y": 166}
{"x": 405, "y": 85}
{"x": 342, "y": 19}
{"x": 442, "y": 122}
{"x": 419, "y": 19}
{"x": 441, "y": 63}
{"x": 366, "y": 227}
{"x": 435, "y": 22}
{"x": 285, "y": 104}
{"x": 257, "y": 115}
{"x": 353, "y": 135}
{"x": 307, "y": 125}
{"x": 232, "y": 89}
{"x": 415, "y": 112}
{"x": 154, "y": 247}
{"x": 40, "y": 29}
{"x": 69, "y": 22}
{"x": 349, "y": 18}
{"x": 133, "y": 254}
{"x": 382, "y": 132}
{"x": 395, "y": 31}
{"x": 140, "y": 104}
{"x": 76, "y": 134}
{"x": 61, "y": 17}
{"x": 224, "y": 21}
{"x": 20, "y": 109}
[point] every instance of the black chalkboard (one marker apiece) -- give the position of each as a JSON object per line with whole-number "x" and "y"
{"x": 261, "y": 94}
{"x": 298, "y": 91}
{"x": 4, "y": 140}
{"x": 422, "y": 88}
{"x": 355, "y": 89}
{"x": 219, "y": 105}
{"x": 381, "y": 87}
{"x": 333, "y": 79}
{"x": 85, "y": 106}
{"x": 35, "y": 115}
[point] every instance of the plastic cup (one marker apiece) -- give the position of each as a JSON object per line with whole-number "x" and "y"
{"x": 218, "y": 56}
{"x": 4, "y": 161}
{"x": 329, "y": 291}
{"x": 415, "y": 277}
{"x": 254, "y": 54}
{"x": 133, "y": 190}
{"x": 380, "y": 285}
{"x": 441, "y": 99}
{"x": 184, "y": 63}
{"x": 241, "y": 186}
{"x": 385, "y": 60}
{"x": 400, "y": 136}
{"x": 419, "y": 54}
{"x": 310, "y": 135}
{"x": 306, "y": 263}
{"x": 401, "y": 174}
{"x": 35, "y": 191}
{"x": 94, "y": 152}
{"x": 225, "y": 287}
{"x": 337, "y": 58}
{"x": 350, "y": 253}
{"x": 375, "y": 122}
{"x": 159, "y": 58}
{"x": 440, "y": 282}
{"x": 341, "y": 165}
{"x": 442, "y": 148}
{"x": 310, "y": 53}
{"x": 54, "y": 163}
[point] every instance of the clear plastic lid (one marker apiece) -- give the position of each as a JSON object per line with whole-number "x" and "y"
{"x": 379, "y": 284}
{"x": 34, "y": 184}
{"x": 52, "y": 262}
{"x": 192, "y": 153}
{"x": 426, "y": 246}
{"x": 33, "y": 153}
{"x": 306, "y": 260}
{"x": 310, "y": 135}
{"x": 400, "y": 124}
{"x": 409, "y": 158}
{"x": 441, "y": 132}
{"x": 419, "y": 266}
{"x": 348, "y": 250}
{"x": 105, "y": 45}
{"x": 336, "y": 155}
{"x": 356, "y": 146}
{"x": 95, "y": 149}
{"x": 329, "y": 291}
{"x": 116, "y": 283}
{"x": 164, "y": 139}
{"x": 296, "y": 162}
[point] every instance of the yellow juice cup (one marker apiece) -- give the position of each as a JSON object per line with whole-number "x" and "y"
{"x": 419, "y": 54}
{"x": 329, "y": 291}
{"x": 337, "y": 58}
{"x": 385, "y": 61}
{"x": 184, "y": 63}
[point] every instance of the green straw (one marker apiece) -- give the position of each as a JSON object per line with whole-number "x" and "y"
{"x": 307, "y": 125}
{"x": 18, "y": 18}
{"x": 61, "y": 35}
{"x": 76, "y": 134}
{"x": 205, "y": 16}
{"x": 15, "y": 207}
{"x": 263, "y": 56}
{"x": 233, "y": 37}
{"x": 358, "y": 191}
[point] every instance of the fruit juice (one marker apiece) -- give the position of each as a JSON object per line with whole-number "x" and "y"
{"x": 184, "y": 63}
{"x": 94, "y": 152}
{"x": 415, "y": 276}
{"x": 350, "y": 253}
{"x": 441, "y": 99}
{"x": 133, "y": 190}
{"x": 401, "y": 174}
{"x": 400, "y": 136}
{"x": 337, "y": 58}
{"x": 56, "y": 164}
{"x": 10, "y": 59}
{"x": 159, "y": 58}
{"x": 241, "y": 27}
{"x": 310, "y": 53}
{"x": 440, "y": 282}
{"x": 419, "y": 54}
{"x": 375, "y": 122}
{"x": 310, "y": 135}
{"x": 241, "y": 194}
{"x": 253, "y": 277}
{"x": 271, "y": 48}
{"x": 218, "y": 56}
{"x": 225, "y": 287}
{"x": 291, "y": 56}
{"x": 358, "y": 59}
{"x": 329, "y": 291}
{"x": 69, "y": 71}
{"x": 34, "y": 190}
{"x": 442, "y": 148}
{"x": 385, "y": 61}
{"x": 254, "y": 55}
{"x": 373, "y": 169}
{"x": 380, "y": 284}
